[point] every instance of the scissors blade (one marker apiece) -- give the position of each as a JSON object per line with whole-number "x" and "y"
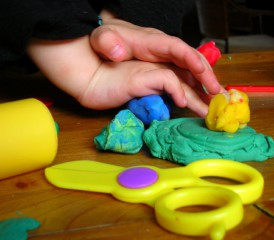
{"x": 84, "y": 175}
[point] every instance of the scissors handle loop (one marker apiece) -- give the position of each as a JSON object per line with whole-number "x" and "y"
{"x": 250, "y": 181}
{"x": 227, "y": 214}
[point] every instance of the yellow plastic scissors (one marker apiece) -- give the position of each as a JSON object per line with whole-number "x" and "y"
{"x": 169, "y": 189}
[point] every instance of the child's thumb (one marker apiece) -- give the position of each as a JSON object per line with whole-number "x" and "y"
{"x": 108, "y": 44}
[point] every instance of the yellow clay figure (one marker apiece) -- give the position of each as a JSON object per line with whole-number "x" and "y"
{"x": 228, "y": 111}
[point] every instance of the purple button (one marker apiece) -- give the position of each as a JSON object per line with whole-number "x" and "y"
{"x": 137, "y": 177}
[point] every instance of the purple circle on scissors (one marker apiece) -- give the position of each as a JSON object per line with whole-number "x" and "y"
{"x": 137, "y": 177}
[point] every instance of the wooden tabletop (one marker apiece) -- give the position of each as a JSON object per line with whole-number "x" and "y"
{"x": 66, "y": 214}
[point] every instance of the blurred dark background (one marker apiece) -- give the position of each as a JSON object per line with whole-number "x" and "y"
{"x": 250, "y": 21}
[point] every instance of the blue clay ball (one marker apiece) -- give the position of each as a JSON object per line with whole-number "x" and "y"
{"x": 149, "y": 108}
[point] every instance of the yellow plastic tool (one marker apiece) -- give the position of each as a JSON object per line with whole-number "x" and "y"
{"x": 169, "y": 189}
{"x": 28, "y": 139}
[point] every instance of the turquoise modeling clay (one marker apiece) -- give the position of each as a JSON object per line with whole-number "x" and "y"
{"x": 124, "y": 134}
{"x": 149, "y": 108}
{"x": 185, "y": 140}
{"x": 17, "y": 228}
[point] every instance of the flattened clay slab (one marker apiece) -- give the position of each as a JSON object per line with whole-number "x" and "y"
{"x": 184, "y": 140}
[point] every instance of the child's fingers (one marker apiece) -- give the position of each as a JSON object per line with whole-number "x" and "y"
{"x": 109, "y": 44}
{"x": 188, "y": 58}
{"x": 195, "y": 102}
{"x": 165, "y": 48}
{"x": 160, "y": 81}
{"x": 166, "y": 81}
{"x": 120, "y": 43}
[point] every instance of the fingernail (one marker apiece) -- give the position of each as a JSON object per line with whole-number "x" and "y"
{"x": 205, "y": 114}
{"x": 117, "y": 51}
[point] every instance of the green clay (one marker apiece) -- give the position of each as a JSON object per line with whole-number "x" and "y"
{"x": 185, "y": 140}
{"x": 16, "y": 228}
{"x": 123, "y": 134}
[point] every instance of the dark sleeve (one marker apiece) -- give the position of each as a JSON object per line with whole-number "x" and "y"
{"x": 165, "y": 15}
{"x": 67, "y": 19}
{"x": 44, "y": 19}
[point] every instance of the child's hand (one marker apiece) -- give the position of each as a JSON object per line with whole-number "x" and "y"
{"x": 118, "y": 40}
{"x": 75, "y": 68}
{"x": 114, "y": 84}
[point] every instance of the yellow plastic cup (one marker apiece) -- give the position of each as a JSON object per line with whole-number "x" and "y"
{"x": 28, "y": 137}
